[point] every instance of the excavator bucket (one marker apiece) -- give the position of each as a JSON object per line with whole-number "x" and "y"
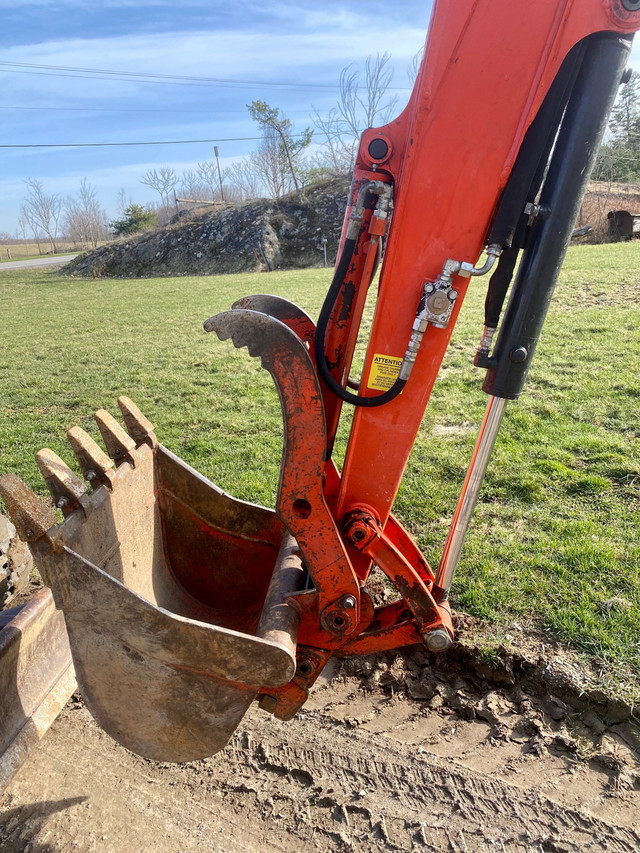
{"x": 173, "y": 592}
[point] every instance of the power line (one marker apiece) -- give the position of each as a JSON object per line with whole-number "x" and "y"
{"x": 278, "y": 86}
{"x": 122, "y": 144}
{"x": 126, "y": 144}
{"x": 201, "y": 111}
{"x": 184, "y": 77}
{"x": 168, "y": 79}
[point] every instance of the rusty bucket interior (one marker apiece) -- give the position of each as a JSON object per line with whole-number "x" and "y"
{"x": 173, "y": 592}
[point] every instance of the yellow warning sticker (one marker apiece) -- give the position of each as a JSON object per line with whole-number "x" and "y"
{"x": 384, "y": 372}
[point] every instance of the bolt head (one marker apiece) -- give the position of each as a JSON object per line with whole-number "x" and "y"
{"x": 518, "y": 355}
{"x": 305, "y": 667}
{"x": 438, "y": 302}
{"x": 437, "y": 640}
{"x": 348, "y": 602}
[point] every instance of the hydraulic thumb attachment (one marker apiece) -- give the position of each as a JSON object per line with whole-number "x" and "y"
{"x": 184, "y": 605}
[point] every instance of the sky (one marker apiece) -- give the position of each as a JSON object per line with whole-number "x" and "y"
{"x": 289, "y": 54}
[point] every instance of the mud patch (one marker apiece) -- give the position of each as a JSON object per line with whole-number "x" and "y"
{"x": 392, "y": 752}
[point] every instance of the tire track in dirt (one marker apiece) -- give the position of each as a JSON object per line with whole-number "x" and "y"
{"x": 315, "y": 783}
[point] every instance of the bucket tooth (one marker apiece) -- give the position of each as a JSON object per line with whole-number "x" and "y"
{"x": 67, "y": 490}
{"x": 119, "y": 445}
{"x": 94, "y": 463}
{"x": 139, "y": 428}
{"x": 32, "y": 518}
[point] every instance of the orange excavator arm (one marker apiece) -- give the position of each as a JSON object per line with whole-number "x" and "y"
{"x": 184, "y": 605}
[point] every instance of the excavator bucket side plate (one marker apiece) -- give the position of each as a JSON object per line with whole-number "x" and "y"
{"x": 155, "y": 573}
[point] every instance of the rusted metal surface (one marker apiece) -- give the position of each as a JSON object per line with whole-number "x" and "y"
{"x": 280, "y": 620}
{"x": 183, "y": 604}
{"x": 96, "y": 466}
{"x": 281, "y": 309}
{"x": 154, "y": 574}
{"x": 36, "y": 678}
{"x": 301, "y": 503}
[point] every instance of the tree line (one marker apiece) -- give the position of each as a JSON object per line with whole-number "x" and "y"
{"x": 45, "y": 216}
{"x": 281, "y": 161}
{"x": 619, "y": 156}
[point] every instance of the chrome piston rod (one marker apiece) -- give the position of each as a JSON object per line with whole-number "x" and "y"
{"x": 469, "y": 494}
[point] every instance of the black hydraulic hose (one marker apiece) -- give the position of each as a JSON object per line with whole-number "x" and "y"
{"x": 511, "y": 227}
{"x": 501, "y": 279}
{"x": 531, "y": 161}
{"x": 574, "y": 154}
{"x": 339, "y": 276}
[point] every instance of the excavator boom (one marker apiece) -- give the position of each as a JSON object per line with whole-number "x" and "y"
{"x": 184, "y": 605}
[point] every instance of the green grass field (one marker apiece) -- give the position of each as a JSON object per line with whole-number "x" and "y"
{"x": 554, "y": 542}
{"x": 27, "y": 251}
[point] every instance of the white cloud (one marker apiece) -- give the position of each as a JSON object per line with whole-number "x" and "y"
{"x": 227, "y": 54}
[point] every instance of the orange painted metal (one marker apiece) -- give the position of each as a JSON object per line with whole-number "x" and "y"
{"x": 301, "y": 504}
{"x": 485, "y": 74}
{"x": 364, "y": 532}
{"x": 347, "y": 312}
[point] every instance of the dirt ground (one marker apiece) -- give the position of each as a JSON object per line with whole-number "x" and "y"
{"x": 397, "y": 752}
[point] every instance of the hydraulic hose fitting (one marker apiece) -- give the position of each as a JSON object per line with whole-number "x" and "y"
{"x": 437, "y": 301}
{"x": 380, "y": 218}
{"x": 482, "y": 355}
{"x": 493, "y": 253}
{"x": 378, "y": 188}
{"x": 436, "y": 304}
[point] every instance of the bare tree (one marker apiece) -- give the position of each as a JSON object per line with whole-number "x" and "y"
{"x": 213, "y": 180}
{"x": 268, "y": 165}
{"x": 337, "y": 157}
{"x": 28, "y": 227}
{"x": 24, "y": 228}
{"x": 359, "y": 107}
{"x": 278, "y": 156}
{"x": 85, "y": 220}
{"x": 42, "y": 212}
{"x": 193, "y": 187}
{"x": 163, "y": 181}
{"x": 414, "y": 66}
{"x": 124, "y": 201}
{"x": 242, "y": 181}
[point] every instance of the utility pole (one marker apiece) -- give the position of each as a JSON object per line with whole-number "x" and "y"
{"x": 215, "y": 148}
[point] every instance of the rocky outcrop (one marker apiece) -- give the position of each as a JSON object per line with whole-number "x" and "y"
{"x": 256, "y": 236}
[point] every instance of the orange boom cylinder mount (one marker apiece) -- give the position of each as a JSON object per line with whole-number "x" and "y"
{"x": 184, "y": 605}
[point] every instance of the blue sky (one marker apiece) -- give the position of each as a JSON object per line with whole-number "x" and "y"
{"x": 302, "y": 43}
